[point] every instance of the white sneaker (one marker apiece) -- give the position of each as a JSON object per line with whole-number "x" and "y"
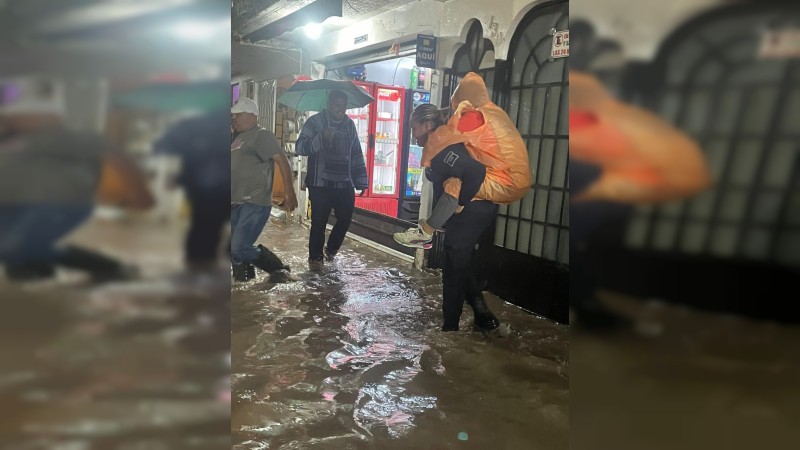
{"x": 414, "y": 237}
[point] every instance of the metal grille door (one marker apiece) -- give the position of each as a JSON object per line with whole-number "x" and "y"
{"x": 537, "y": 101}
{"x": 744, "y": 109}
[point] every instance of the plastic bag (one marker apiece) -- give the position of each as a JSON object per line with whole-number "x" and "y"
{"x": 496, "y": 144}
{"x": 643, "y": 158}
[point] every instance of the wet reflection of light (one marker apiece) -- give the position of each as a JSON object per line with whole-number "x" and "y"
{"x": 385, "y": 405}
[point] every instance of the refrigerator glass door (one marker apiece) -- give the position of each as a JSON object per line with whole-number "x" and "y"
{"x": 361, "y": 117}
{"x": 414, "y": 174}
{"x": 386, "y": 160}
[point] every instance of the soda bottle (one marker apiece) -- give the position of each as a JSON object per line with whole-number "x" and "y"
{"x": 414, "y": 77}
{"x": 421, "y": 83}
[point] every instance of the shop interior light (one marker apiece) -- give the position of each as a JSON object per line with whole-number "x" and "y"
{"x": 313, "y": 30}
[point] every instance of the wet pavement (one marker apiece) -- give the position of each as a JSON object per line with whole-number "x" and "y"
{"x": 351, "y": 357}
{"x": 687, "y": 379}
{"x": 140, "y": 364}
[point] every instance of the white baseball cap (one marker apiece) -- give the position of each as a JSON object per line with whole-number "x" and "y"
{"x": 245, "y": 105}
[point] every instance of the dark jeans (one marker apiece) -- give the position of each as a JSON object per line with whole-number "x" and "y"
{"x": 462, "y": 233}
{"x": 247, "y": 223}
{"x": 29, "y": 233}
{"x": 210, "y": 211}
{"x": 323, "y": 200}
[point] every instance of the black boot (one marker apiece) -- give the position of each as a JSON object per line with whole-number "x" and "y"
{"x": 268, "y": 261}
{"x": 484, "y": 318}
{"x": 30, "y": 272}
{"x": 593, "y": 317}
{"x": 243, "y": 272}
{"x": 101, "y": 267}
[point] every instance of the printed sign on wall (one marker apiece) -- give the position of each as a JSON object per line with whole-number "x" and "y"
{"x": 560, "y": 47}
{"x": 780, "y": 44}
{"x": 426, "y": 51}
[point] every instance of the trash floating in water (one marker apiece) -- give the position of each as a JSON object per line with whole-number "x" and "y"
{"x": 463, "y": 436}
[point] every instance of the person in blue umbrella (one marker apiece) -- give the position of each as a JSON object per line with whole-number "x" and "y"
{"x": 336, "y": 167}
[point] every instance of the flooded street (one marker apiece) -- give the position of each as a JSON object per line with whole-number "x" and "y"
{"x": 127, "y": 365}
{"x": 689, "y": 379}
{"x": 351, "y": 357}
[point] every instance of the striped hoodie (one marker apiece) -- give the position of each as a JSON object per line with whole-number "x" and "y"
{"x": 335, "y": 164}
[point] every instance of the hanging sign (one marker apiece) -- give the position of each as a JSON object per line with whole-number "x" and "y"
{"x": 560, "y": 48}
{"x": 426, "y": 51}
{"x": 780, "y": 44}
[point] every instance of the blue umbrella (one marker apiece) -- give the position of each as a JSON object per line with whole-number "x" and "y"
{"x": 313, "y": 95}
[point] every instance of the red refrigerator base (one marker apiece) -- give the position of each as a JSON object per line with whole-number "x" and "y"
{"x": 385, "y": 206}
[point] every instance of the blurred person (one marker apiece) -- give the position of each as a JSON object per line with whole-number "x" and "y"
{"x": 49, "y": 181}
{"x": 200, "y": 143}
{"x": 620, "y": 156}
{"x": 464, "y": 229}
{"x": 335, "y": 168}
{"x": 254, "y": 154}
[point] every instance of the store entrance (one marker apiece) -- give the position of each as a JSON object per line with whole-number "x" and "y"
{"x": 392, "y": 160}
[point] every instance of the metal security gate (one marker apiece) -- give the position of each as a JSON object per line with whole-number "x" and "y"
{"x": 736, "y": 246}
{"x": 744, "y": 110}
{"x": 536, "y": 98}
{"x": 524, "y": 259}
{"x": 266, "y": 94}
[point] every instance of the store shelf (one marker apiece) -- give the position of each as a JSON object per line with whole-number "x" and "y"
{"x": 384, "y": 165}
{"x": 381, "y": 119}
{"x": 359, "y": 117}
{"x": 387, "y": 141}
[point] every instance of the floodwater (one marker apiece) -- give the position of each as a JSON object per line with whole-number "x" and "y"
{"x": 687, "y": 379}
{"x": 129, "y": 365}
{"x": 351, "y": 357}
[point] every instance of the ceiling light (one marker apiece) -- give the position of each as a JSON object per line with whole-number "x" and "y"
{"x": 313, "y": 30}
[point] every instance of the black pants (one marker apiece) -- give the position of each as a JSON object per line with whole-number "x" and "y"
{"x": 323, "y": 200}
{"x": 590, "y": 223}
{"x": 209, "y": 212}
{"x": 462, "y": 233}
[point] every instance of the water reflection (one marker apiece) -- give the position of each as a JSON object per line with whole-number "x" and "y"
{"x": 351, "y": 357}
{"x": 140, "y": 364}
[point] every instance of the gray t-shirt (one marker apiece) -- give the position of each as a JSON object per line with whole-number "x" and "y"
{"x": 252, "y": 167}
{"x": 55, "y": 166}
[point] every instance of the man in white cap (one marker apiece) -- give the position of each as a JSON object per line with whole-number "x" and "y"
{"x": 254, "y": 154}
{"x": 49, "y": 178}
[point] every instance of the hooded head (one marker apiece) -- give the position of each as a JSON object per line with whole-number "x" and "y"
{"x": 471, "y": 88}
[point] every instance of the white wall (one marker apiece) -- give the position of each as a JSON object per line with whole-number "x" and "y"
{"x": 640, "y": 26}
{"x": 253, "y": 62}
{"x": 447, "y": 20}
{"x": 499, "y": 21}
{"x": 402, "y": 23}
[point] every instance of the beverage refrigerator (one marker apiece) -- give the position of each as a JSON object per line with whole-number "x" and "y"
{"x": 411, "y": 170}
{"x": 381, "y": 126}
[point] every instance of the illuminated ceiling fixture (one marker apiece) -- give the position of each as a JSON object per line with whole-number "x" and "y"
{"x": 200, "y": 31}
{"x": 313, "y": 30}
